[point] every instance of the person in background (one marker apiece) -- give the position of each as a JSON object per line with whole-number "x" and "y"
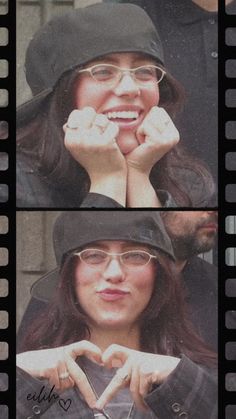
{"x": 189, "y": 33}
{"x": 193, "y": 233}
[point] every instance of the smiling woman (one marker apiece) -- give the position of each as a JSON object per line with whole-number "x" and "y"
{"x": 98, "y": 131}
{"x": 124, "y": 93}
{"x": 114, "y": 337}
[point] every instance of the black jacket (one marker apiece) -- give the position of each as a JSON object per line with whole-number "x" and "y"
{"x": 201, "y": 282}
{"x": 189, "y": 392}
{"x": 34, "y": 190}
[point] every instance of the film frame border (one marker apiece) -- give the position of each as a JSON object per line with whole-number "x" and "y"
{"x": 7, "y": 207}
{"x": 227, "y": 208}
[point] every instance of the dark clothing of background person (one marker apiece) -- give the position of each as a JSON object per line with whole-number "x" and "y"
{"x": 189, "y": 36}
{"x": 200, "y": 279}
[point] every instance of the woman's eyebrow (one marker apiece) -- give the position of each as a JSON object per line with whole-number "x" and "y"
{"x": 136, "y": 246}
{"x": 137, "y": 60}
{"x": 126, "y": 245}
{"x": 102, "y": 60}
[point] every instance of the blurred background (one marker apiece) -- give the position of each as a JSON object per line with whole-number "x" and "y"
{"x": 36, "y": 13}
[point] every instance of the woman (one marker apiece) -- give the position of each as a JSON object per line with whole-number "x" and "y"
{"x": 115, "y": 338}
{"x": 98, "y": 131}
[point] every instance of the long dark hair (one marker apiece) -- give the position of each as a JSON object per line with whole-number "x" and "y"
{"x": 165, "y": 328}
{"x": 43, "y": 139}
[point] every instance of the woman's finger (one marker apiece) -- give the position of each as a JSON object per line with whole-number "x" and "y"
{"x": 81, "y": 118}
{"x": 64, "y": 377}
{"x": 73, "y": 119}
{"x": 135, "y": 389}
{"x": 150, "y": 132}
{"x": 86, "y": 348}
{"x": 156, "y": 378}
{"x": 115, "y": 353}
{"x": 159, "y": 118}
{"x": 111, "y": 132}
{"x": 81, "y": 381}
{"x": 145, "y": 384}
{"x": 101, "y": 121}
{"x": 53, "y": 378}
{"x": 134, "y": 386}
{"x": 120, "y": 380}
{"x": 156, "y": 123}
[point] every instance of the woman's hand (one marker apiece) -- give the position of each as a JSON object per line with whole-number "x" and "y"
{"x": 156, "y": 135}
{"x": 58, "y": 366}
{"x": 138, "y": 371}
{"x": 91, "y": 140}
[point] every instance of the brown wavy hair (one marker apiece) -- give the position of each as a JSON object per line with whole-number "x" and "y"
{"x": 164, "y": 324}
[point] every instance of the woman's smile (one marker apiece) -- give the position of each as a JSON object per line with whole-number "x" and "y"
{"x": 126, "y": 103}
{"x": 125, "y": 116}
{"x": 128, "y": 118}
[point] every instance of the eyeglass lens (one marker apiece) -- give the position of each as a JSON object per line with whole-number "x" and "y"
{"x": 109, "y": 73}
{"x": 131, "y": 258}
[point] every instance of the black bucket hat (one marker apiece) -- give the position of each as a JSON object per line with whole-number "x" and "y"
{"x": 76, "y": 229}
{"x": 82, "y": 35}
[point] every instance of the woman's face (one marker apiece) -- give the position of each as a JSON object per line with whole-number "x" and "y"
{"x": 125, "y": 96}
{"x": 114, "y": 296}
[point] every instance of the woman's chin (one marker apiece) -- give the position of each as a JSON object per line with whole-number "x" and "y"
{"x": 112, "y": 319}
{"x": 127, "y": 144}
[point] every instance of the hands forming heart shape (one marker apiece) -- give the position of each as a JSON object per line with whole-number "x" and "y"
{"x": 136, "y": 370}
{"x": 87, "y": 133}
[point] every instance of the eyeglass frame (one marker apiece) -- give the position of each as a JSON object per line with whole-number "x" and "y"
{"x": 116, "y": 254}
{"x": 123, "y": 70}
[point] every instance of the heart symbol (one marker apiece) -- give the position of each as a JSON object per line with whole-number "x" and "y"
{"x": 65, "y": 404}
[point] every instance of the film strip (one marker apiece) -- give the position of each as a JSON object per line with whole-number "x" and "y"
{"x": 227, "y": 210}
{"x": 7, "y": 207}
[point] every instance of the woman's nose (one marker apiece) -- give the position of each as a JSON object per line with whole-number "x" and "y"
{"x": 127, "y": 86}
{"x": 114, "y": 271}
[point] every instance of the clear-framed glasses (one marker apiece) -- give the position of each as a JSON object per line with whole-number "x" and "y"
{"x": 110, "y": 75}
{"x": 99, "y": 258}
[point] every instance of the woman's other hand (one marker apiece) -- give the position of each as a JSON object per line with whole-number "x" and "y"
{"x": 58, "y": 366}
{"x": 156, "y": 135}
{"x": 91, "y": 140}
{"x": 138, "y": 371}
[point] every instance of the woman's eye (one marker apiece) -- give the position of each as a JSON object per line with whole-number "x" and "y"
{"x": 135, "y": 257}
{"x": 94, "y": 257}
{"x": 145, "y": 73}
{"x": 103, "y": 73}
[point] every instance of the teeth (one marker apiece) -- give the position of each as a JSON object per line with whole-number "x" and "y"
{"x": 122, "y": 114}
